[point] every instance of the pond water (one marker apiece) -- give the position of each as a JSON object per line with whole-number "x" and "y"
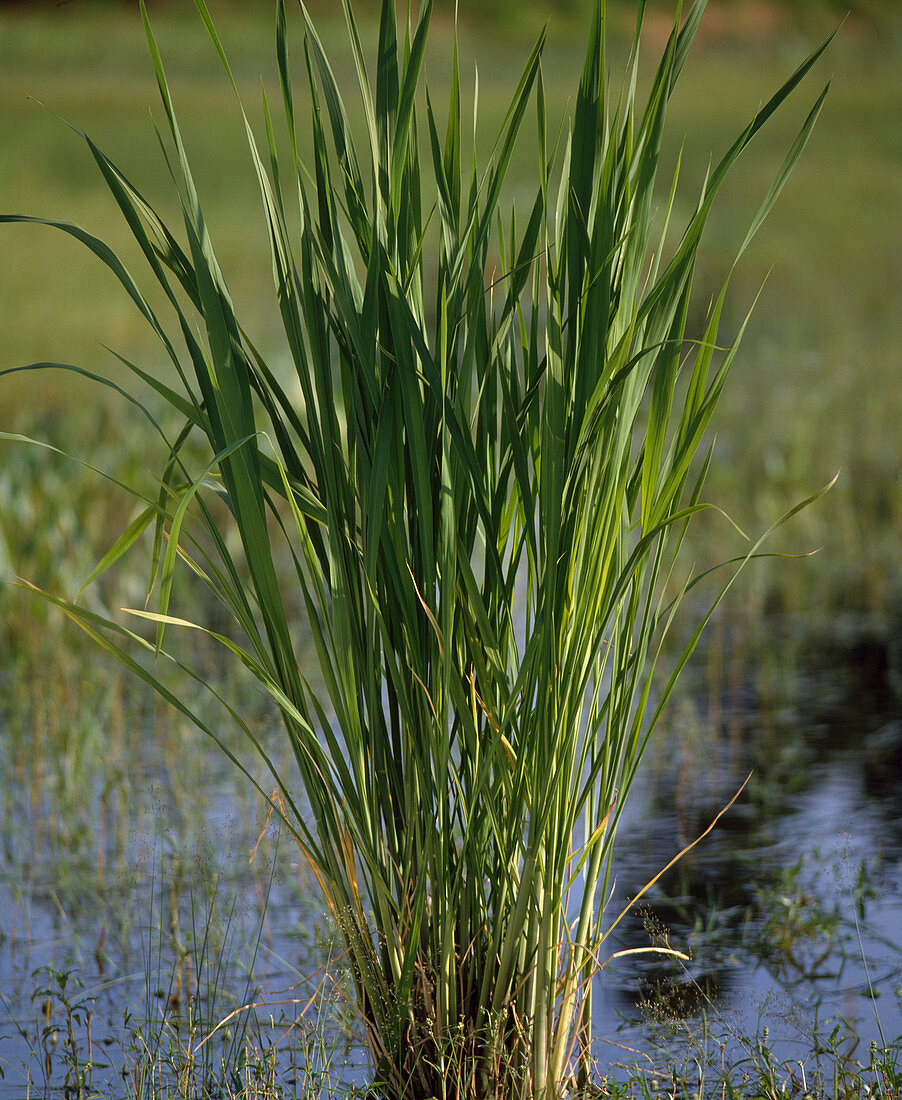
{"x": 790, "y": 910}
{"x": 792, "y": 907}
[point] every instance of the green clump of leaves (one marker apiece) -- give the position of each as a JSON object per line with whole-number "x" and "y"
{"x": 474, "y": 477}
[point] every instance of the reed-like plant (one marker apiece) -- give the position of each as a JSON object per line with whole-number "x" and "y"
{"x": 479, "y": 472}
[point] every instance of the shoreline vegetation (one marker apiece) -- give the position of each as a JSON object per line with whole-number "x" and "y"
{"x": 399, "y": 990}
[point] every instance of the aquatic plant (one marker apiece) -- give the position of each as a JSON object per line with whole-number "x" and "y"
{"x": 475, "y": 478}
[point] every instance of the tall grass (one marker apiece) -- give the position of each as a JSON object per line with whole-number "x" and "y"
{"x": 478, "y": 475}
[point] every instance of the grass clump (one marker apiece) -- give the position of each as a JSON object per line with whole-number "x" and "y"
{"x": 473, "y": 481}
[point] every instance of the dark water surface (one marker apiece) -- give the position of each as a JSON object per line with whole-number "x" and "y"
{"x": 791, "y": 909}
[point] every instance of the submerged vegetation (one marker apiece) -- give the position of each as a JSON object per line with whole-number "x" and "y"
{"x": 466, "y": 480}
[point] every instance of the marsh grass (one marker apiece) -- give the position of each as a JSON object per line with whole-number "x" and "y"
{"x": 771, "y": 1050}
{"x": 479, "y": 471}
{"x": 273, "y": 1050}
{"x": 205, "y": 1031}
{"x": 199, "y": 1032}
{"x": 824, "y": 1067}
{"x": 819, "y": 356}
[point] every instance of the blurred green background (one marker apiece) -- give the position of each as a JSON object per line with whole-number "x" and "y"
{"x": 815, "y": 389}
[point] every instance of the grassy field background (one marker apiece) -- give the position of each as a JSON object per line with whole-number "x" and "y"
{"x": 815, "y": 390}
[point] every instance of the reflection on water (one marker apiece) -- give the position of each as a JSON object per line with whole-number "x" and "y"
{"x": 791, "y": 909}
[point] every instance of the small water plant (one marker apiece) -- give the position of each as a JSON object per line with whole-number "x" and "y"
{"x": 467, "y": 484}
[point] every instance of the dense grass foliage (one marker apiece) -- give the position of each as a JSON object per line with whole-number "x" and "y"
{"x": 814, "y": 396}
{"x": 479, "y": 469}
